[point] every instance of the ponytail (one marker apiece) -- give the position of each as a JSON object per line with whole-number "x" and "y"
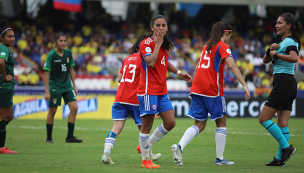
{"x": 135, "y": 47}
{"x": 295, "y": 29}
{"x": 217, "y": 32}
{"x": 297, "y": 33}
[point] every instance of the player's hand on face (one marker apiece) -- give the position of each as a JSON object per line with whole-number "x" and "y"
{"x": 274, "y": 46}
{"x": 159, "y": 37}
{"x": 47, "y": 96}
{"x": 186, "y": 77}
{"x": 247, "y": 93}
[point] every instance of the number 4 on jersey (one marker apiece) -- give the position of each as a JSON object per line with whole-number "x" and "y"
{"x": 163, "y": 61}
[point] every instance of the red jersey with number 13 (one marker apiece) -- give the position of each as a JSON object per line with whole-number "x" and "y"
{"x": 152, "y": 80}
{"x": 208, "y": 79}
{"x": 127, "y": 90}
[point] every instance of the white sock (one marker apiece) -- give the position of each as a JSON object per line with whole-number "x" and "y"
{"x": 189, "y": 134}
{"x": 158, "y": 134}
{"x": 220, "y": 140}
{"x": 144, "y": 145}
{"x": 109, "y": 144}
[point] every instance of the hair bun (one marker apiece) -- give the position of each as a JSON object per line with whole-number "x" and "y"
{"x": 3, "y": 23}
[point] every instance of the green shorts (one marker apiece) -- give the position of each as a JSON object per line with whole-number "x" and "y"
{"x": 6, "y": 99}
{"x": 68, "y": 96}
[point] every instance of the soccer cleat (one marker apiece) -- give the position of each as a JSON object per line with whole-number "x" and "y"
{"x": 153, "y": 157}
{"x": 149, "y": 164}
{"x": 223, "y": 162}
{"x": 138, "y": 149}
{"x": 287, "y": 153}
{"x": 106, "y": 158}
{"x": 49, "y": 140}
{"x": 177, "y": 154}
{"x": 275, "y": 162}
{"x": 73, "y": 139}
{"x": 7, "y": 151}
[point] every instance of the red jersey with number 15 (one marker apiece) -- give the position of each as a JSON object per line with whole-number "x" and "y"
{"x": 152, "y": 80}
{"x": 208, "y": 79}
{"x": 127, "y": 90}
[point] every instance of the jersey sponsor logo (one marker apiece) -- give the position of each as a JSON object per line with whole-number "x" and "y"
{"x": 55, "y": 100}
{"x": 2, "y": 53}
{"x": 44, "y": 64}
{"x": 154, "y": 107}
{"x": 148, "y": 41}
{"x": 84, "y": 106}
{"x": 228, "y": 51}
{"x": 148, "y": 49}
{"x": 30, "y": 106}
{"x": 68, "y": 60}
{"x": 57, "y": 60}
{"x": 132, "y": 58}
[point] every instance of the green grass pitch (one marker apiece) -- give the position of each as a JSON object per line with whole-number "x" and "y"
{"x": 248, "y": 144}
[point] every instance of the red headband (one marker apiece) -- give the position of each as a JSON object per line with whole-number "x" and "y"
{"x": 227, "y": 30}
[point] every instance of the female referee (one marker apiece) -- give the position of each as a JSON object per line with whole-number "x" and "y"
{"x": 58, "y": 73}
{"x": 208, "y": 94}
{"x": 7, "y": 82}
{"x": 126, "y": 100}
{"x": 284, "y": 58}
{"x": 152, "y": 92}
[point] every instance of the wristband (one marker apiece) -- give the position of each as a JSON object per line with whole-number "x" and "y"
{"x": 268, "y": 52}
{"x": 275, "y": 56}
{"x": 178, "y": 72}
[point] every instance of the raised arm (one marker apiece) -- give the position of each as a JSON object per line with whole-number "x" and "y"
{"x": 151, "y": 59}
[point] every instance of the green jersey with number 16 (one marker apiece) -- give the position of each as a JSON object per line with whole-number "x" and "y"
{"x": 59, "y": 68}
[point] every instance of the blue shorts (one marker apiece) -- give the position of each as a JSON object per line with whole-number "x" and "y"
{"x": 122, "y": 111}
{"x": 153, "y": 104}
{"x": 201, "y": 106}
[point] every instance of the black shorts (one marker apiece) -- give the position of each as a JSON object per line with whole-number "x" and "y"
{"x": 283, "y": 93}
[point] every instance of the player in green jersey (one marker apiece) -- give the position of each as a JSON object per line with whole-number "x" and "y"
{"x": 58, "y": 74}
{"x": 7, "y": 82}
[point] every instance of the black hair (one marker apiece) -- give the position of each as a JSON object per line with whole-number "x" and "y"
{"x": 135, "y": 47}
{"x": 60, "y": 34}
{"x": 4, "y": 26}
{"x": 296, "y": 27}
{"x": 217, "y": 32}
{"x": 167, "y": 44}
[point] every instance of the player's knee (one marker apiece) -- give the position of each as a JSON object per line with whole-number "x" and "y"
{"x": 74, "y": 109}
{"x": 169, "y": 126}
{"x": 262, "y": 119}
{"x": 52, "y": 111}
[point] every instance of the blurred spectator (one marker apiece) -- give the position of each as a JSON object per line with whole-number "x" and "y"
{"x": 33, "y": 78}
{"x": 22, "y": 79}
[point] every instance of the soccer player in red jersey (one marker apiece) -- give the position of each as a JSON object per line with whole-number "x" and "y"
{"x": 208, "y": 94}
{"x": 126, "y": 99}
{"x": 152, "y": 92}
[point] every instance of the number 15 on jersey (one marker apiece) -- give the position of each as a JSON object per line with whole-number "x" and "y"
{"x": 206, "y": 57}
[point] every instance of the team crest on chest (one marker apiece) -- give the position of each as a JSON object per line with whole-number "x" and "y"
{"x": 54, "y": 100}
{"x": 68, "y": 60}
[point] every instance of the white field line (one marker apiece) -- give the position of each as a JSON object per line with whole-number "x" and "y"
{"x": 133, "y": 128}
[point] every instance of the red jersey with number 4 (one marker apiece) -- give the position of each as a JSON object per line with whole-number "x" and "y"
{"x": 127, "y": 90}
{"x": 152, "y": 80}
{"x": 208, "y": 79}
